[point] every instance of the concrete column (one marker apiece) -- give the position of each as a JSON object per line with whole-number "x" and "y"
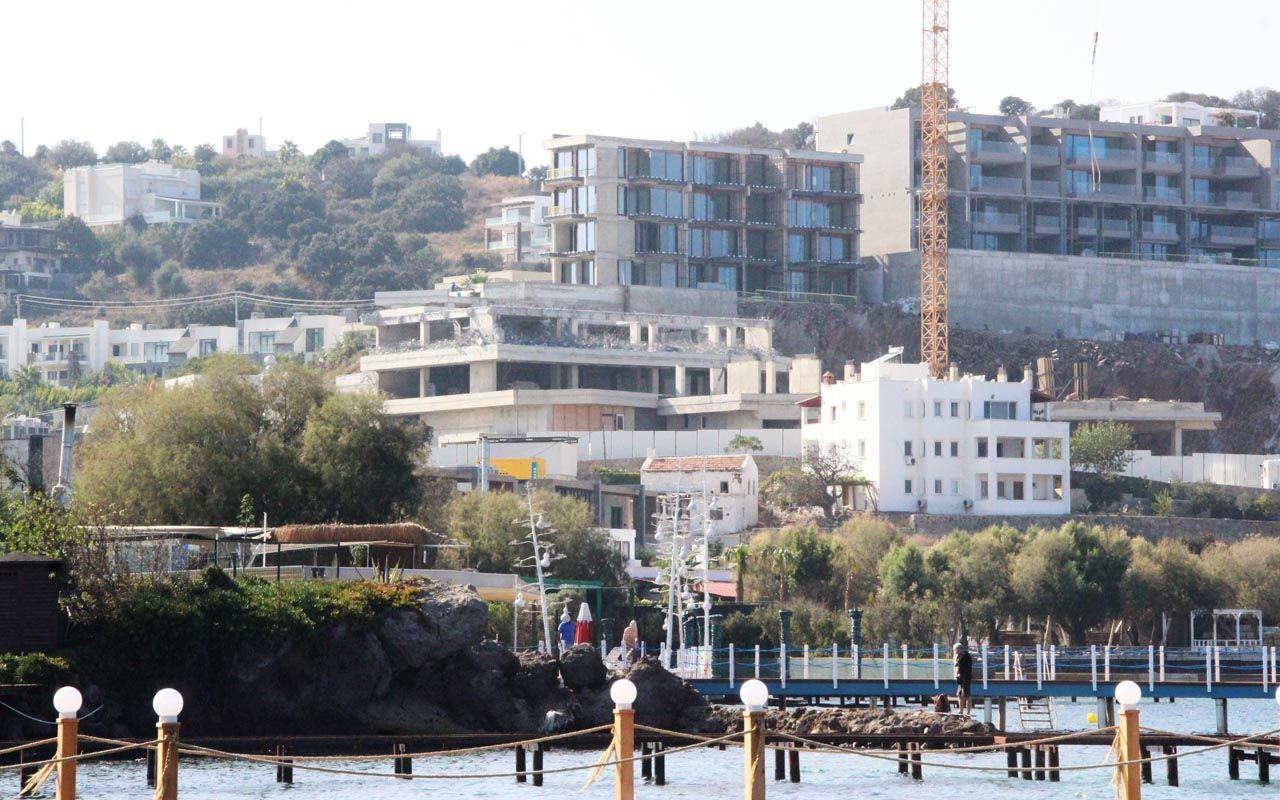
{"x": 633, "y": 330}
{"x": 655, "y": 380}
{"x": 719, "y": 380}
{"x": 1177, "y": 439}
{"x": 1026, "y": 486}
{"x": 423, "y": 380}
{"x": 424, "y": 332}
{"x": 682, "y": 386}
{"x": 484, "y": 376}
{"x": 573, "y": 377}
{"x": 770, "y": 377}
{"x": 653, "y": 336}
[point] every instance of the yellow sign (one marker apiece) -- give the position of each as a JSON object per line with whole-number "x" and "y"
{"x": 522, "y": 469}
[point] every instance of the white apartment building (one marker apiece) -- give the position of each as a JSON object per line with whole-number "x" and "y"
{"x": 734, "y": 481}
{"x": 108, "y": 194}
{"x": 518, "y": 230}
{"x": 384, "y": 137}
{"x": 63, "y": 352}
{"x": 557, "y": 358}
{"x": 243, "y": 143}
{"x": 965, "y": 445}
{"x": 1179, "y": 115}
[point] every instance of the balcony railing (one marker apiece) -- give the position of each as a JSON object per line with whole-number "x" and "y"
{"x": 1167, "y": 193}
{"x": 1163, "y": 158}
{"x": 1234, "y": 198}
{"x": 983, "y": 183}
{"x": 1048, "y": 225}
{"x": 1044, "y": 151}
{"x": 1109, "y": 155}
{"x": 1159, "y": 229}
{"x": 1231, "y": 234}
{"x": 990, "y": 146}
{"x": 560, "y": 173}
{"x": 558, "y": 211}
{"x": 1116, "y": 227}
{"x": 1052, "y": 188}
{"x": 1114, "y": 190}
{"x": 1000, "y": 219}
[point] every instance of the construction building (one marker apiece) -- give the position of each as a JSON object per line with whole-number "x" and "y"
{"x": 30, "y": 255}
{"x": 961, "y": 445}
{"x": 636, "y": 212}
{"x": 517, "y": 230}
{"x": 519, "y": 358}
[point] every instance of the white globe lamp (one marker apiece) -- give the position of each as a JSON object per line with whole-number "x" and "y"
{"x": 623, "y": 694}
{"x": 1128, "y": 694}
{"x": 67, "y": 702}
{"x": 754, "y": 694}
{"x": 167, "y": 704}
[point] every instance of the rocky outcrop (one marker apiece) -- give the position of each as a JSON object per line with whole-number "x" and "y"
{"x": 870, "y": 722}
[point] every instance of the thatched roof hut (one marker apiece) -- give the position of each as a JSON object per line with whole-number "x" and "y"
{"x": 400, "y": 532}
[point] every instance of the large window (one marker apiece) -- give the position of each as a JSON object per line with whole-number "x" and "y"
{"x": 999, "y": 409}
{"x": 659, "y": 164}
{"x": 712, "y": 243}
{"x": 654, "y": 237}
{"x": 833, "y": 248}
{"x": 315, "y": 340}
{"x": 799, "y": 248}
{"x": 155, "y": 352}
{"x": 808, "y": 214}
{"x": 262, "y": 342}
{"x": 706, "y": 169}
{"x": 656, "y": 202}
{"x": 582, "y": 237}
{"x": 705, "y": 206}
{"x": 208, "y": 347}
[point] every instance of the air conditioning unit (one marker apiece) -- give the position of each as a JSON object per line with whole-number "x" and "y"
{"x": 922, "y": 504}
{"x": 911, "y": 461}
{"x": 968, "y": 504}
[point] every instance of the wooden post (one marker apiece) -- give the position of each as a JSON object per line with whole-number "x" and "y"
{"x": 659, "y": 764}
{"x": 753, "y": 754}
{"x": 1130, "y": 751}
{"x": 1055, "y": 774}
{"x": 779, "y": 764}
{"x": 915, "y": 762}
{"x": 1264, "y": 766}
{"x": 1011, "y": 761}
{"x": 902, "y": 758}
{"x": 151, "y": 769}
{"x": 1146, "y": 765}
{"x": 646, "y": 762}
{"x": 793, "y": 765}
{"x": 1233, "y": 764}
{"x": 624, "y": 743}
{"x": 1170, "y": 764}
{"x": 24, "y": 772}
{"x": 403, "y": 764}
{"x": 1025, "y": 755}
{"x": 1039, "y": 757}
{"x": 284, "y": 766}
{"x": 1221, "y": 703}
{"x": 537, "y": 764}
{"x": 68, "y": 745}
{"x": 167, "y": 760}
{"x": 520, "y": 765}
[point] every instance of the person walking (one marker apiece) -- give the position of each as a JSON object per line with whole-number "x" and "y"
{"x": 963, "y": 663}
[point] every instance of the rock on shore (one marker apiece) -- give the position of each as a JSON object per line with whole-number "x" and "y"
{"x": 878, "y": 722}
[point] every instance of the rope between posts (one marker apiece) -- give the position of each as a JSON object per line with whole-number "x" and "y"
{"x": 1215, "y": 739}
{"x": 424, "y": 754}
{"x": 76, "y": 757}
{"x": 212, "y": 753}
{"x": 27, "y": 746}
{"x": 1062, "y": 737}
{"x": 697, "y": 737}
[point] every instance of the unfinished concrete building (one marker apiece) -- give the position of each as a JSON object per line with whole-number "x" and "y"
{"x": 524, "y": 367}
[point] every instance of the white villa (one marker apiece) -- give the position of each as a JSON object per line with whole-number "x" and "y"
{"x": 733, "y": 479}
{"x": 955, "y": 446}
{"x": 108, "y": 194}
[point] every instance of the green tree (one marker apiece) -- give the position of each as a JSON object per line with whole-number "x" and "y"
{"x": 204, "y": 155}
{"x": 168, "y": 281}
{"x": 1073, "y": 574}
{"x": 1014, "y": 106}
{"x": 125, "y": 152}
{"x": 486, "y": 524}
{"x": 1104, "y": 450}
{"x": 139, "y": 258}
{"x": 333, "y": 150}
{"x": 38, "y": 211}
{"x": 801, "y": 137}
{"x": 83, "y": 244}
{"x": 741, "y": 443}
{"x": 431, "y": 205}
{"x": 217, "y": 242}
{"x": 497, "y": 161}
{"x": 911, "y": 98}
{"x": 1164, "y": 582}
{"x": 289, "y": 152}
{"x": 160, "y": 150}
{"x": 69, "y": 153}
{"x": 586, "y": 551}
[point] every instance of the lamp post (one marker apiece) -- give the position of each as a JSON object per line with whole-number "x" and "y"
{"x": 623, "y": 694}
{"x": 517, "y": 607}
{"x": 67, "y": 701}
{"x": 1128, "y": 694}
{"x": 541, "y": 559}
{"x": 168, "y": 705}
{"x": 755, "y": 697}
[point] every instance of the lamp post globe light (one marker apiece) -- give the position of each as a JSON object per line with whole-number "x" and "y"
{"x": 1128, "y": 694}
{"x": 754, "y": 694}
{"x": 623, "y": 694}
{"x": 167, "y": 704}
{"x": 67, "y": 702}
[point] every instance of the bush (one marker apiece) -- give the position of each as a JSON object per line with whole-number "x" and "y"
{"x": 1210, "y": 501}
{"x": 1162, "y": 505}
{"x": 1101, "y": 492}
{"x": 1262, "y": 506}
{"x": 744, "y": 631}
{"x": 37, "y": 668}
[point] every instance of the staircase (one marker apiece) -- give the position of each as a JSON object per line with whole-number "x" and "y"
{"x": 1034, "y": 713}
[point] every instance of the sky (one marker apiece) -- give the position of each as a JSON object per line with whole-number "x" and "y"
{"x": 498, "y": 72}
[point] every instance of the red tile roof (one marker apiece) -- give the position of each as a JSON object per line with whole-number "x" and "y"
{"x": 696, "y": 464}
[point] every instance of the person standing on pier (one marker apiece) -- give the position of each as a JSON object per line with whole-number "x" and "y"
{"x": 964, "y": 678}
{"x": 565, "y": 629}
{"x": 631, "y": 644}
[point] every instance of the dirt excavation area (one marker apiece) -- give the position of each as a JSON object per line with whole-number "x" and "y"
{"x": 1240, "y": 382}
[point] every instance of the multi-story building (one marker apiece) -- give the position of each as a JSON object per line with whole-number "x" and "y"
{"x": 672, "y": 214}
{"x": 243, "y": 143}
{"x": 65, "y": 352}
{"x": 108, "y": 194}
{"x": 1074, "y": 187}
{"x": 1186, "y": 114}
{"x": 518, "y": 231}
{"x": 961, "y": 445}
{"x": 555, "y": 358}
{"x": 391, "y": 137}
{"x": 30, "y": 255}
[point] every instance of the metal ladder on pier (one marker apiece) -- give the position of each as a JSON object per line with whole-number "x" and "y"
{"x": 1034, "y": 713}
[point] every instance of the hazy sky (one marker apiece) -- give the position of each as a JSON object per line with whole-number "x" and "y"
{"x": 487, "y": 71}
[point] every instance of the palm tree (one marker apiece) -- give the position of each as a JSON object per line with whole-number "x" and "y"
{"x": 738, "y": 557}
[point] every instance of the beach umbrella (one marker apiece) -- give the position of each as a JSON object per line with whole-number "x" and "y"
{"x": 585, "y": 631}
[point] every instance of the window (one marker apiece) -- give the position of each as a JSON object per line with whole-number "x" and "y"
{"x": 315, "y": 340}
{"x": 937, "y": 408}
{"x": 906, "y": 409}
{"x": 615, "y": 517}
{"x": 906, "y": 448}
{"x": 862, "y": 410}
{"x": 862, "y": 448}
{"x": 208, "y": 347}
{"x": 668, "y": 274}
{"x": 659, "y": 164}
{"x": 799, "y": 248}
{"x": 117, "y": 350}
{"x": 155, "y": 352}
{"x": 833, "y": 413}
{"x": 1046, "y": 448}
{"x": 937, "y": 486}
{"x": 1000, "y": 489}
{"x": 377, "y": 138}
{"x": 1017, "y": 490}
{"x": 261, "y": 343}
{"x": 624, "y": 273}
{"x": 999, "y": 409}
{"x": 982, "y": 448}
{"x": 653, "y": 237}
{"x": 984, "y": 490}
{"x": 906, "y": 486}
{"x": 724, "y": 487}
{"x": 955, "y": 449}
{"x": 955, "y": 409}
{"x": 937, "y": 449}
{"x": 955, "y": 488}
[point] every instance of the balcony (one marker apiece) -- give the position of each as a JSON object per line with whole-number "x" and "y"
{"x": 1106, "y": 158}
{"x": 1227, "y": 166}
{"x": 1156, "y": 231}
{"x": 983, "y": 183}
{"x": 561, "y": 174}
{"x": 1235, "y": 199}
{"x": 1106, "y": 191}
{"x": 1048, "y": 226}
{"x": 558, "y": 211}
{"x": 1043, "y": 153}
{"x": 1116, "y": 229}
{"x": 1087, "y": 226}
{"x": 1163, "y": 194}
{"x": 1046, "y": 188}
{"x": 1162, "y": 161}
{"x": 986, "y": 151}
{"x": 1270, "y": 233}
{"x": 1232, "y": 235}
{"x": 997, "y": 222}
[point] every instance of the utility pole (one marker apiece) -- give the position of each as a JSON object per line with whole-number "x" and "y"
{"x": 934, "y": 102}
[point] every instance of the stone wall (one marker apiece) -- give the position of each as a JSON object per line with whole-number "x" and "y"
{"x": 1098, "y": 298}
{"x": 935, "y": 526}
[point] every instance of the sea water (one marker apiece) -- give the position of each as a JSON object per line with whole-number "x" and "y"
{"x": 710, "y": 774}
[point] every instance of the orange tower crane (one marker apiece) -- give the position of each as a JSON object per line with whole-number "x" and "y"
{"x": 934, "y": 101}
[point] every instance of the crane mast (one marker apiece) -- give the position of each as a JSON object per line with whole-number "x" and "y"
{"x": 934, "y": 101}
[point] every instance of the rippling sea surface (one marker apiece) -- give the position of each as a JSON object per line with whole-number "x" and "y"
{"x": 707, "y": 774}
